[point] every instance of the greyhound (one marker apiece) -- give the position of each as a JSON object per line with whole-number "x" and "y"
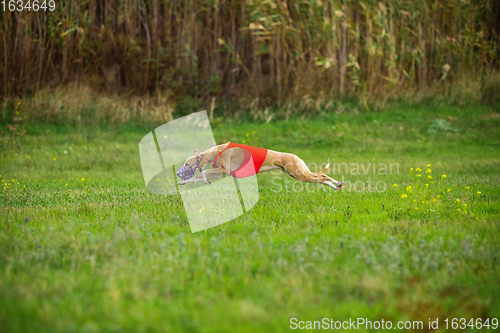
{"x": 236, "y": 162}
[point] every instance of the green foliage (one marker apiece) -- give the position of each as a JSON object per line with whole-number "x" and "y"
{"x": 440, "y": 125}
{"x": 85, "y": 248}
{"x": 491, "y": 92}
{"x": 187, "y": 105}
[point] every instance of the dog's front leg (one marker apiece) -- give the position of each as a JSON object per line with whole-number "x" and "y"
{"x": 211, "y": 173}
{"x": 204, "y": 176}
{"x": 190, "y": 180}
{"x": 198, "y": 179}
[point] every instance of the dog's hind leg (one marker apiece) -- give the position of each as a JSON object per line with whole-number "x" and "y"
{"x": 298, "y": 169}
{"x": 269, "y": 168}
{"x": 328, "y": 183}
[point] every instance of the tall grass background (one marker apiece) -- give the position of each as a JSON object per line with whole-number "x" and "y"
{"x": 185, "y": 55}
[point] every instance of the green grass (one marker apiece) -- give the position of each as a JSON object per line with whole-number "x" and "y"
{"x": 102, "y": 254}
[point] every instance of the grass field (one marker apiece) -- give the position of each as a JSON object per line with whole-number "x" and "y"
{"x": 85, "y": 248}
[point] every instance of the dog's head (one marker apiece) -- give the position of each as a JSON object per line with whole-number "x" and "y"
{"x": 189, "y": 168}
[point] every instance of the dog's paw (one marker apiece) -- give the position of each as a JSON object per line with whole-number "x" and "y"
{"x": 182, "y": 182}
{"x": 208, "y": 182}
{"x": 340, "y": 184}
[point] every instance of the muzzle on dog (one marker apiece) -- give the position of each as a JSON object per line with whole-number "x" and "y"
{"x": 187, "y": 172}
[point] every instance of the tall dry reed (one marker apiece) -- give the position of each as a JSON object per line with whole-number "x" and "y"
{"x": 278, "y": 49}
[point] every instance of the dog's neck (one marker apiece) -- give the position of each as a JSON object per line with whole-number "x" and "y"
{"x": 208, "y": 156}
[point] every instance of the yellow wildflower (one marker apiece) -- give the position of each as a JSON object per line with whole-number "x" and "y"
{"x": 418, "y": 169}
{"x": 403, "y": 196}
{"x": 428, "y": 165}
{"x": 478, "y": 192}
{"x": 467, "y": 187}
{"x": 408, "y": 188}
{"x": 83, "y": 179}
{"x": 428, "y": 171}
{"x": 395, "y": 185}
{"x": 458, "y": 200}
{"x": 443, "y": 176}
{"x": 449, "y": 190}
{"x": 419, "y": 175}
{"x": 54, "y": 158}
{"x": 426, "y": 184}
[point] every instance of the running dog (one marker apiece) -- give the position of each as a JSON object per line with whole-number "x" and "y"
{"x": 246, "y": 162}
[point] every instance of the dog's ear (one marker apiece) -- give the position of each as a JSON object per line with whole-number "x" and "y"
{"x": 197, "y": 153}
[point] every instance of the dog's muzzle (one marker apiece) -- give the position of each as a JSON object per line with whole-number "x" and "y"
{"x": 187, "y": 172}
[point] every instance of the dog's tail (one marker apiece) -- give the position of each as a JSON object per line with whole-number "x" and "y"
{"x": 324, "y": 170}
